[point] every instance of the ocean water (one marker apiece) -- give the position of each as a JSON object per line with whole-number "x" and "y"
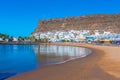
{"x": 16, "y": 59}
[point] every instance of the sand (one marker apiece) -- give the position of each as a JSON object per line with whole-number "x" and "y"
{"x": 102, "y": 64}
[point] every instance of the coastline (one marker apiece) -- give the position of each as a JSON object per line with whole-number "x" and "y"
{"x": 102, "y": 64}
{"x": 18, "y": 43}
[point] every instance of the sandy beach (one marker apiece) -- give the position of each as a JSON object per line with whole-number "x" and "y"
{"x": 102, "y": 64}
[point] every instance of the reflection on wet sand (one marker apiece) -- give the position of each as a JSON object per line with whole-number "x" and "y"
{"x": 49, "y": 54}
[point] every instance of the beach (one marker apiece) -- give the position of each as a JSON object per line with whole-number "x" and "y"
{"x": 101, "y": 64}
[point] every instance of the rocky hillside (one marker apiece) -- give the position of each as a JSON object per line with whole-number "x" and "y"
{"x": 101, "y": 22}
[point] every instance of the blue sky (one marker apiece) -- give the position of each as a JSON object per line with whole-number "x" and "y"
{"x": 20, "y": 17}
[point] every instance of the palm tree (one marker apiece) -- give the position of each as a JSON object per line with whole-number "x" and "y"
{"x": 4, "y": 36}
{"x": 0, "y": 35}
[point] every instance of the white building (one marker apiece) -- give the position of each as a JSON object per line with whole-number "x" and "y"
{"x": 15, "y": 39}
{"x": 75, "y": 35}
{"x": 1, "y": 40}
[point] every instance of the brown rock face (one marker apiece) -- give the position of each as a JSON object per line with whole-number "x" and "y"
{"x": 105, "y": 22}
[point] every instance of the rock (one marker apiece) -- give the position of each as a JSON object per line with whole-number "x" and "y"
{"x": 103, "y": 22}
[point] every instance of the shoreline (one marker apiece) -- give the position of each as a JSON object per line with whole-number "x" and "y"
{"x": 96, "y": 66}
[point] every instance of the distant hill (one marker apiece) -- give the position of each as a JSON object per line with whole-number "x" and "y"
{"x": 103, "y": 22}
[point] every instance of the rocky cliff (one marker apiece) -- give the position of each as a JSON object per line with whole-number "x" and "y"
{"x": 101, "y": 22}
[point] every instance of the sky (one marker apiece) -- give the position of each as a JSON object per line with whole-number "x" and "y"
{"x": 20, "y": 17}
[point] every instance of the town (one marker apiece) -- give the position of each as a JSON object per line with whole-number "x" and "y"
{"x": 81, "y": 36}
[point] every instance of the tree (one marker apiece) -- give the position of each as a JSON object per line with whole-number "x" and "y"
{"x": 4, "y": 35}
{"x": 0, "y": 35}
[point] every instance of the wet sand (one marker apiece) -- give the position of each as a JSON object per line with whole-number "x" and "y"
{"x": 102, "y": 64}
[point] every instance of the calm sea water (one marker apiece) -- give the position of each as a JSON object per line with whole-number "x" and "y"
{"x": 15, "y": 59}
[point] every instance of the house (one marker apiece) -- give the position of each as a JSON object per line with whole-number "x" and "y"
{"x": 27, "y": 40}
{"x": 15, "y": 39}
{"x": 1, "y": 40}
{"x": 6, "y": 40}
{"x": 90, "y": 38}
{"x": 106, "y": 41}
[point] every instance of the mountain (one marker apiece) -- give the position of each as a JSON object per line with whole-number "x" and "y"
{"x": 101, "y": 22}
